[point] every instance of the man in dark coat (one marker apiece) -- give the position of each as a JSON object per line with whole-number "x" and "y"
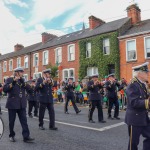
{"x": 137, "y": 109}
{"x": 1, "y": 90}
{"x": 16, "y": 103}
{"x": 44, "y": 86}
{"x": 111, "y": 86}
{"x": 69, "y": 88}
{"x": 95, "y": 99}
{"x": 32, "y": 99}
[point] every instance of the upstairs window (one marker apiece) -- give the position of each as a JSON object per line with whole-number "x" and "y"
{"x": 26, "y": 62}
{"x": 71, "y": 52}
{"x": 45, "y": 58}
{"x": 10, "y": 65}
{"x": 147, "y": 47}
{"x": 19, "y": 62}
{"x": 4, "y": 66}
{"x": 88, "y": 50}
{"x": 35, "y": 60}
{"x": 106, "y": 47}
{"x": 131, "y": 50}
{"x": 58, "y": 55}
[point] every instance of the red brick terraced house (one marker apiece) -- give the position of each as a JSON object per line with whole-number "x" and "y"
{"x": 63, "y": 50}
{"x": 134, "y": 44}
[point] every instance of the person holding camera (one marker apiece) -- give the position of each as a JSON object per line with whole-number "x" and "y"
{"x": 69, "y": 87}
{"x": 44, "y": 86}
{"x": 136, "y": 117}
{"x": 16, "y": 104}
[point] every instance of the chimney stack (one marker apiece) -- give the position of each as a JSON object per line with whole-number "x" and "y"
{"x": 134, "y": 12}
{"x": 95, "y": 22}
{"x": 18, "y": 47}
{"x": 47, "y": 36}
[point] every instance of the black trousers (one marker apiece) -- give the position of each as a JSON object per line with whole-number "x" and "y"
{"x": 50, "y": 108}
{"x": 113, "y": 102}
{"x": 68, "y": 98}
{"x": 134, "y": 134}
{"x": 31, "y": 105}
{"x": 23, "y": 120}
{"x": 92, "y": 105}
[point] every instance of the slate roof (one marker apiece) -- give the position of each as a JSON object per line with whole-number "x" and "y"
{"x": 143, "y": 26}
{"x": 105, "y": 28}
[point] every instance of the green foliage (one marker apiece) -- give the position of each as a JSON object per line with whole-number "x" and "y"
{"x": 54, "y": 69}
{"x": 98, "y": 59}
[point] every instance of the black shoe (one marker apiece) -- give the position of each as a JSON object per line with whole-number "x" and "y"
{"x": 12, "y": 139}
{"x": 53, "y": 128}
{"x": 28, "y": 140}
{"x": 78, "y": 111}
{"x": 36, "y": 116}
{"x": 117, "y": 118}
{"x": 102, "y": 121}
{"x": 66, "y": 112}
{"x": 91, "y": 121}
{"x": 0, "y": 113}
{"x": 41, "y": 128}
{"x": 109, "y": 117}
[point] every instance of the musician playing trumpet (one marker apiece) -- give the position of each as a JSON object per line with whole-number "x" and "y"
{"x": 95, "y": 99}
{"x": 44, "y": 86}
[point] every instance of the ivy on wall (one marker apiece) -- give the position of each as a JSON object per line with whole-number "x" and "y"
{"x": 98, "y": 59}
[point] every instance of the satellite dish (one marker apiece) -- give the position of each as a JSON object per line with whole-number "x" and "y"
{"x": 1, "y": 127}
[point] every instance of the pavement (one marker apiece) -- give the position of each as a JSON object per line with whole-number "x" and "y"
{"x": 74, "y": 132}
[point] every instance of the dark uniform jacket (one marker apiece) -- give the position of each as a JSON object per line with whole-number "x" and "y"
{"x": 69, "y": 89}
{"x": 111, "y": 89}
{"x": 136, "y": 113}
{"x": 45, "y": 91}
{"x": 94, "y": 91}
{"x": 32, "y": 94}
{"x": 16, "y": 94}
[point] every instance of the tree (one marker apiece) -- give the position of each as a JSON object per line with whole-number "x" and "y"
{"x": 54, "y": 70}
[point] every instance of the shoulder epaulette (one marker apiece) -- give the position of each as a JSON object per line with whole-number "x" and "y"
{"x": 133, "y": 80}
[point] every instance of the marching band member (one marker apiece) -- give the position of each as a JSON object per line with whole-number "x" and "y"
{"x": 44, "y": 86}
{"x": 95, "y": 99}
{"x": 16, "y": 104}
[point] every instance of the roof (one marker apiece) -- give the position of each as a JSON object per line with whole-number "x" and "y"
{"x": 139, "y": 28}
{"x": 104, "y": 28}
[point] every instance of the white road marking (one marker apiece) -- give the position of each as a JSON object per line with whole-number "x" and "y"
{"x": 85, "y": 127}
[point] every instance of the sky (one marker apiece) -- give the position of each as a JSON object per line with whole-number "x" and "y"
{"x": 23, "y": 21}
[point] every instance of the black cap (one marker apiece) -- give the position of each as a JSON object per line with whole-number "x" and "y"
{"x": 47, "y": 71}
{"x": 111, "y": 75}
{"x": 143, "y": 67}
{"x": 19, "y": 69}
{"x": 94, "y": 76}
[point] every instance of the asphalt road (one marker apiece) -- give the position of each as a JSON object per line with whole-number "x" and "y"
{"x": 74, "y": 132}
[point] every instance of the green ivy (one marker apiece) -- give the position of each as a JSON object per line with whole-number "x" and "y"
{"x": 98, "y": 59}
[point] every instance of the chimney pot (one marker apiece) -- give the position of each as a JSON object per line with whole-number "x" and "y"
{"x": 18, "y": 47}
{"x": 47, "y": 36}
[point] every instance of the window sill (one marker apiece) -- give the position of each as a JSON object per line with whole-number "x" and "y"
{"x": 128, "y": 61}
{"x": 71, "y": 60}
{"x": 147, "y": 58}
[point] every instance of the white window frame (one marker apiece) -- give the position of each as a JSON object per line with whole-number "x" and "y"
{"x": 26, "y": 76}
{"x": 92, "y": 71}
{"x": 127, "y": 51}
{"x": 4, "y": 67}
{"x": 145, "y": 46}
{"x": 56, "y": 52}
{"x": 105, "y": 46}
{"x": 46, "y": 51}
{"x": 36, "y": 73}
{"x": 69, "y": 53}
{"x": 11, "y": 69}
{"x": 34, "y": 59}
{"x": 25, "y": 62}
{"x": 68, "y": 73}
{"x": 19, "y": 58}
{"x": 87, "y": 49}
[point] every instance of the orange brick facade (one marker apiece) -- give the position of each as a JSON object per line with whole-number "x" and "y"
{"x": 126, "y": 67}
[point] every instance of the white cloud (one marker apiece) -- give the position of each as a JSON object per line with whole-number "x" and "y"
{"x": 16, "y": 2}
